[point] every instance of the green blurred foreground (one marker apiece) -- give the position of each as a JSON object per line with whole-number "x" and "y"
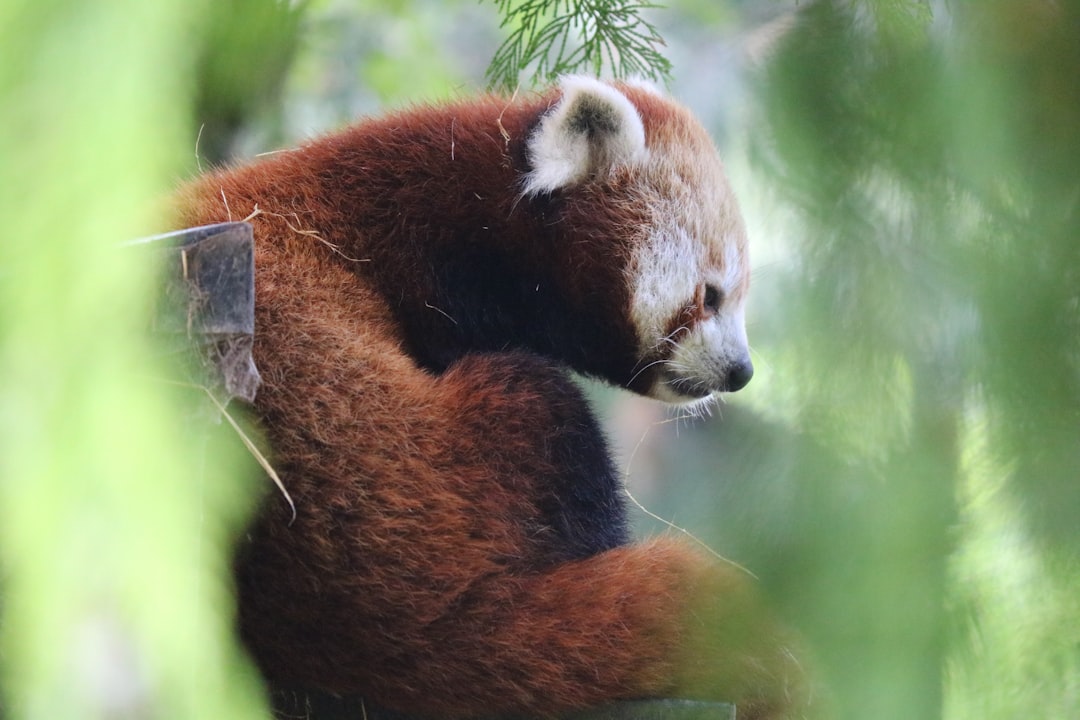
{"x": 902, "y": 474}
{"x": 925, "y": 342}
{"x": 113, "y": 537}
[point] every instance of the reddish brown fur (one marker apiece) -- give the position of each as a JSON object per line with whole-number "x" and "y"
{"x": 418, "y": 571}
{"x": 465, "y": 161}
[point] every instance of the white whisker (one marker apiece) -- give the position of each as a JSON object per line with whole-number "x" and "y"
{"x": 694, "y": 538}
{"x": 758, "y": 359}
{"x": 635, "y": 375}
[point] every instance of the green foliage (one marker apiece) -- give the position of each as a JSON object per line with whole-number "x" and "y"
{"x": 241, "y": 65}
{"x": 114, "y": 540}
{"x": 924, "y": 331}
{"x": 555, "y": 37}
{"x": 399, "y": 63}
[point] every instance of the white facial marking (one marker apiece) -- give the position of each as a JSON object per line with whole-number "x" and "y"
{"x": 668, "y": 268}
{"x": 733, "y": 269}
{"x": 698, "y": 240}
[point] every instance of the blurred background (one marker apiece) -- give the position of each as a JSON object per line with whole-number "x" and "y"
{"x": 902, "y": 475}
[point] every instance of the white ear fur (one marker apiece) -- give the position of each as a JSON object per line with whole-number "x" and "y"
{"x": 592, "y": 129}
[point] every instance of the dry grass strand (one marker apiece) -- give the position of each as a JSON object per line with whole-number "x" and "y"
{"x": 668, "y": 523}
{"x": 249, "y": 444}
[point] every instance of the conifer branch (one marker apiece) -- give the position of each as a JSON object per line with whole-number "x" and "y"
{"x": 555, "y": 37}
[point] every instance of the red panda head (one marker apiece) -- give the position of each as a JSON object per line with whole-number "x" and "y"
{"x": 658, "y": 188}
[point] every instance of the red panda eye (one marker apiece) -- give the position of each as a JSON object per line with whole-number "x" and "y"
{"x": 712, "y": 298}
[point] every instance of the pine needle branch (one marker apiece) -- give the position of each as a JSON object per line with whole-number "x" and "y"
{"x": 555, "y": 37}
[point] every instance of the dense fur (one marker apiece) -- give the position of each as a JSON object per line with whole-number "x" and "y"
{"x": 424, "y": 280}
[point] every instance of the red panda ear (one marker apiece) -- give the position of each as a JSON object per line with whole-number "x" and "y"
{"x": 592, "y": 129}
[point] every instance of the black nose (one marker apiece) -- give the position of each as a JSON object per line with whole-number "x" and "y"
{"x": 738, "y": 374}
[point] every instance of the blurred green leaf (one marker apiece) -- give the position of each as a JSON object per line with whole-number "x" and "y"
{"x": 114, "y": 539}
{"x": 931, "y": 306}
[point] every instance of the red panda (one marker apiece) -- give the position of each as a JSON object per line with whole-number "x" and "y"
{"x": 425, "y": 281}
